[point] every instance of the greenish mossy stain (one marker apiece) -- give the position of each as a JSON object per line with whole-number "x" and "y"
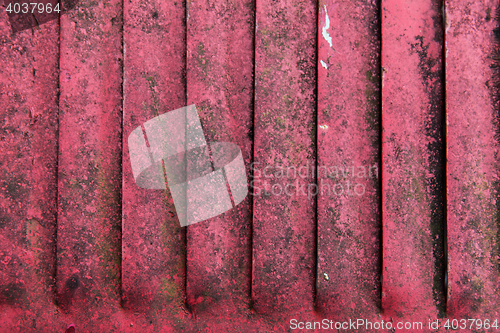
{"x": 372, "y": 77}
{"x": 151, "y": 81}
{"x": 266, "y": 72}
{"x": 288, "y": 100}
{"x": 34, "y": 243}
{"x": 280, "y": 123}
{"x": 477, "y": 285}
{"x": 107, "y": 234}
{"x": 416, "y": 192}
{"x": 155, "y": 106}
{"x": 169, "y": 288}
{"x": 265, "y": 38}
{"x": 326, "y": 112}
{"x": 171, "y": 233}
{"x": 202, "y": 61}
{"x": 75, "y": 184}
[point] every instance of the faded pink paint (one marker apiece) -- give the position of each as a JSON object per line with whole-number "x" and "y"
{"x": 153, "y": 244}
{"x": 28, "y": 183}
{"x": 219, "y": 80}
{"x": 283, "y": 229}
{"x": 220, "y": 83}
{"x": 472, "y": 92}
{"x": 348, "y": 273}
{"x": 88, "y": 236}
{"x": 412, "y": 146}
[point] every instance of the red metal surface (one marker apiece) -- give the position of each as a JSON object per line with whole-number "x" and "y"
{"x": 472, "y": 146}
{"x": 220, "y": 83}
{"x": 412, "y": 160}
{"x": 28, "y": 185}
{"x": 284, "y": 125}
{"x": 326, "y": 86}
{"x": 153, "y": 243}
{"x": 348, "y": 271}
{"x": 89, "y": 170}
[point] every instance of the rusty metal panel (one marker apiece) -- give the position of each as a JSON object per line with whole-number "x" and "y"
{"x": 348, "y": 177}
{"x": 343, "y": 153}
{"x": 412, "y": 160}
{"x": 89, "y": 168}
{"x": 28, "y": 181}
{"x": 220, "y": 84}
{"x": 472, "y": 96}
{"x": 285, "y": 130}
{"x": 153, "y": 243}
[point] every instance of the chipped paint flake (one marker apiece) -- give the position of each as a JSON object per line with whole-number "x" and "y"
{"x": 324, "y": 64}
{"x": 324, "y": 127}
{"x": 326, "y": 36}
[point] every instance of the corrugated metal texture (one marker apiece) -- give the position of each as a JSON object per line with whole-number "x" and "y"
{"x": 153, "y": 243}
{"x": 472, "y": 92}
{"x": 220, "y": 82}
{"x": 284, "y": 136}
{"x": 89, "y": 168}
{"x": 413, "y": 159}
{"x": 349, "y": 243}
{"x": 28, "y": 199}
{"x": 369, "y": 132}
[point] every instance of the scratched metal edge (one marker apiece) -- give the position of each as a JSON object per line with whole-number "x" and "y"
{"x": 285, "y": 133}
{"x": 348, "y": 281}
{"x": 28, "y": 105}
{"x": 472, "y": 62}
{"x": 153, "y": 241}
{"x": 220, "y": 83}
{"x": 412, "y": 183}
{"x": 89, "y": 179}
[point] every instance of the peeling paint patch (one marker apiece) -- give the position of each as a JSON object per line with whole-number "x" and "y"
{"x": 324, "y": 64}
{"x": 324, "y": 127}
{"x": 326, "y": 36}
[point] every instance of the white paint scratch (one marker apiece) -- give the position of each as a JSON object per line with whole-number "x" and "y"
{"x": 323, "y": 64}
{"x": 323, "y": 127}
{"x": 326, "y": 36}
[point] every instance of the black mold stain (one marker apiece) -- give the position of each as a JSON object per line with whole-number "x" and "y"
{"x": 494, "y": 87}
{"x": 432, "y": 72}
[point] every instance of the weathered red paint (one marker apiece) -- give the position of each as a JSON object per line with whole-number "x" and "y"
{"x": 348, "y": 272}
{"x": 220, "y": 83}
{"x": 223, "y": 294}
{"x": 412, "y": 160}
{"x": 89, "y": 178}
{"x": 153, "y": 244}
{"x": 472, "y": 95}
{"x": 28, "y": 185}
{"x": 285, "y": 134}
